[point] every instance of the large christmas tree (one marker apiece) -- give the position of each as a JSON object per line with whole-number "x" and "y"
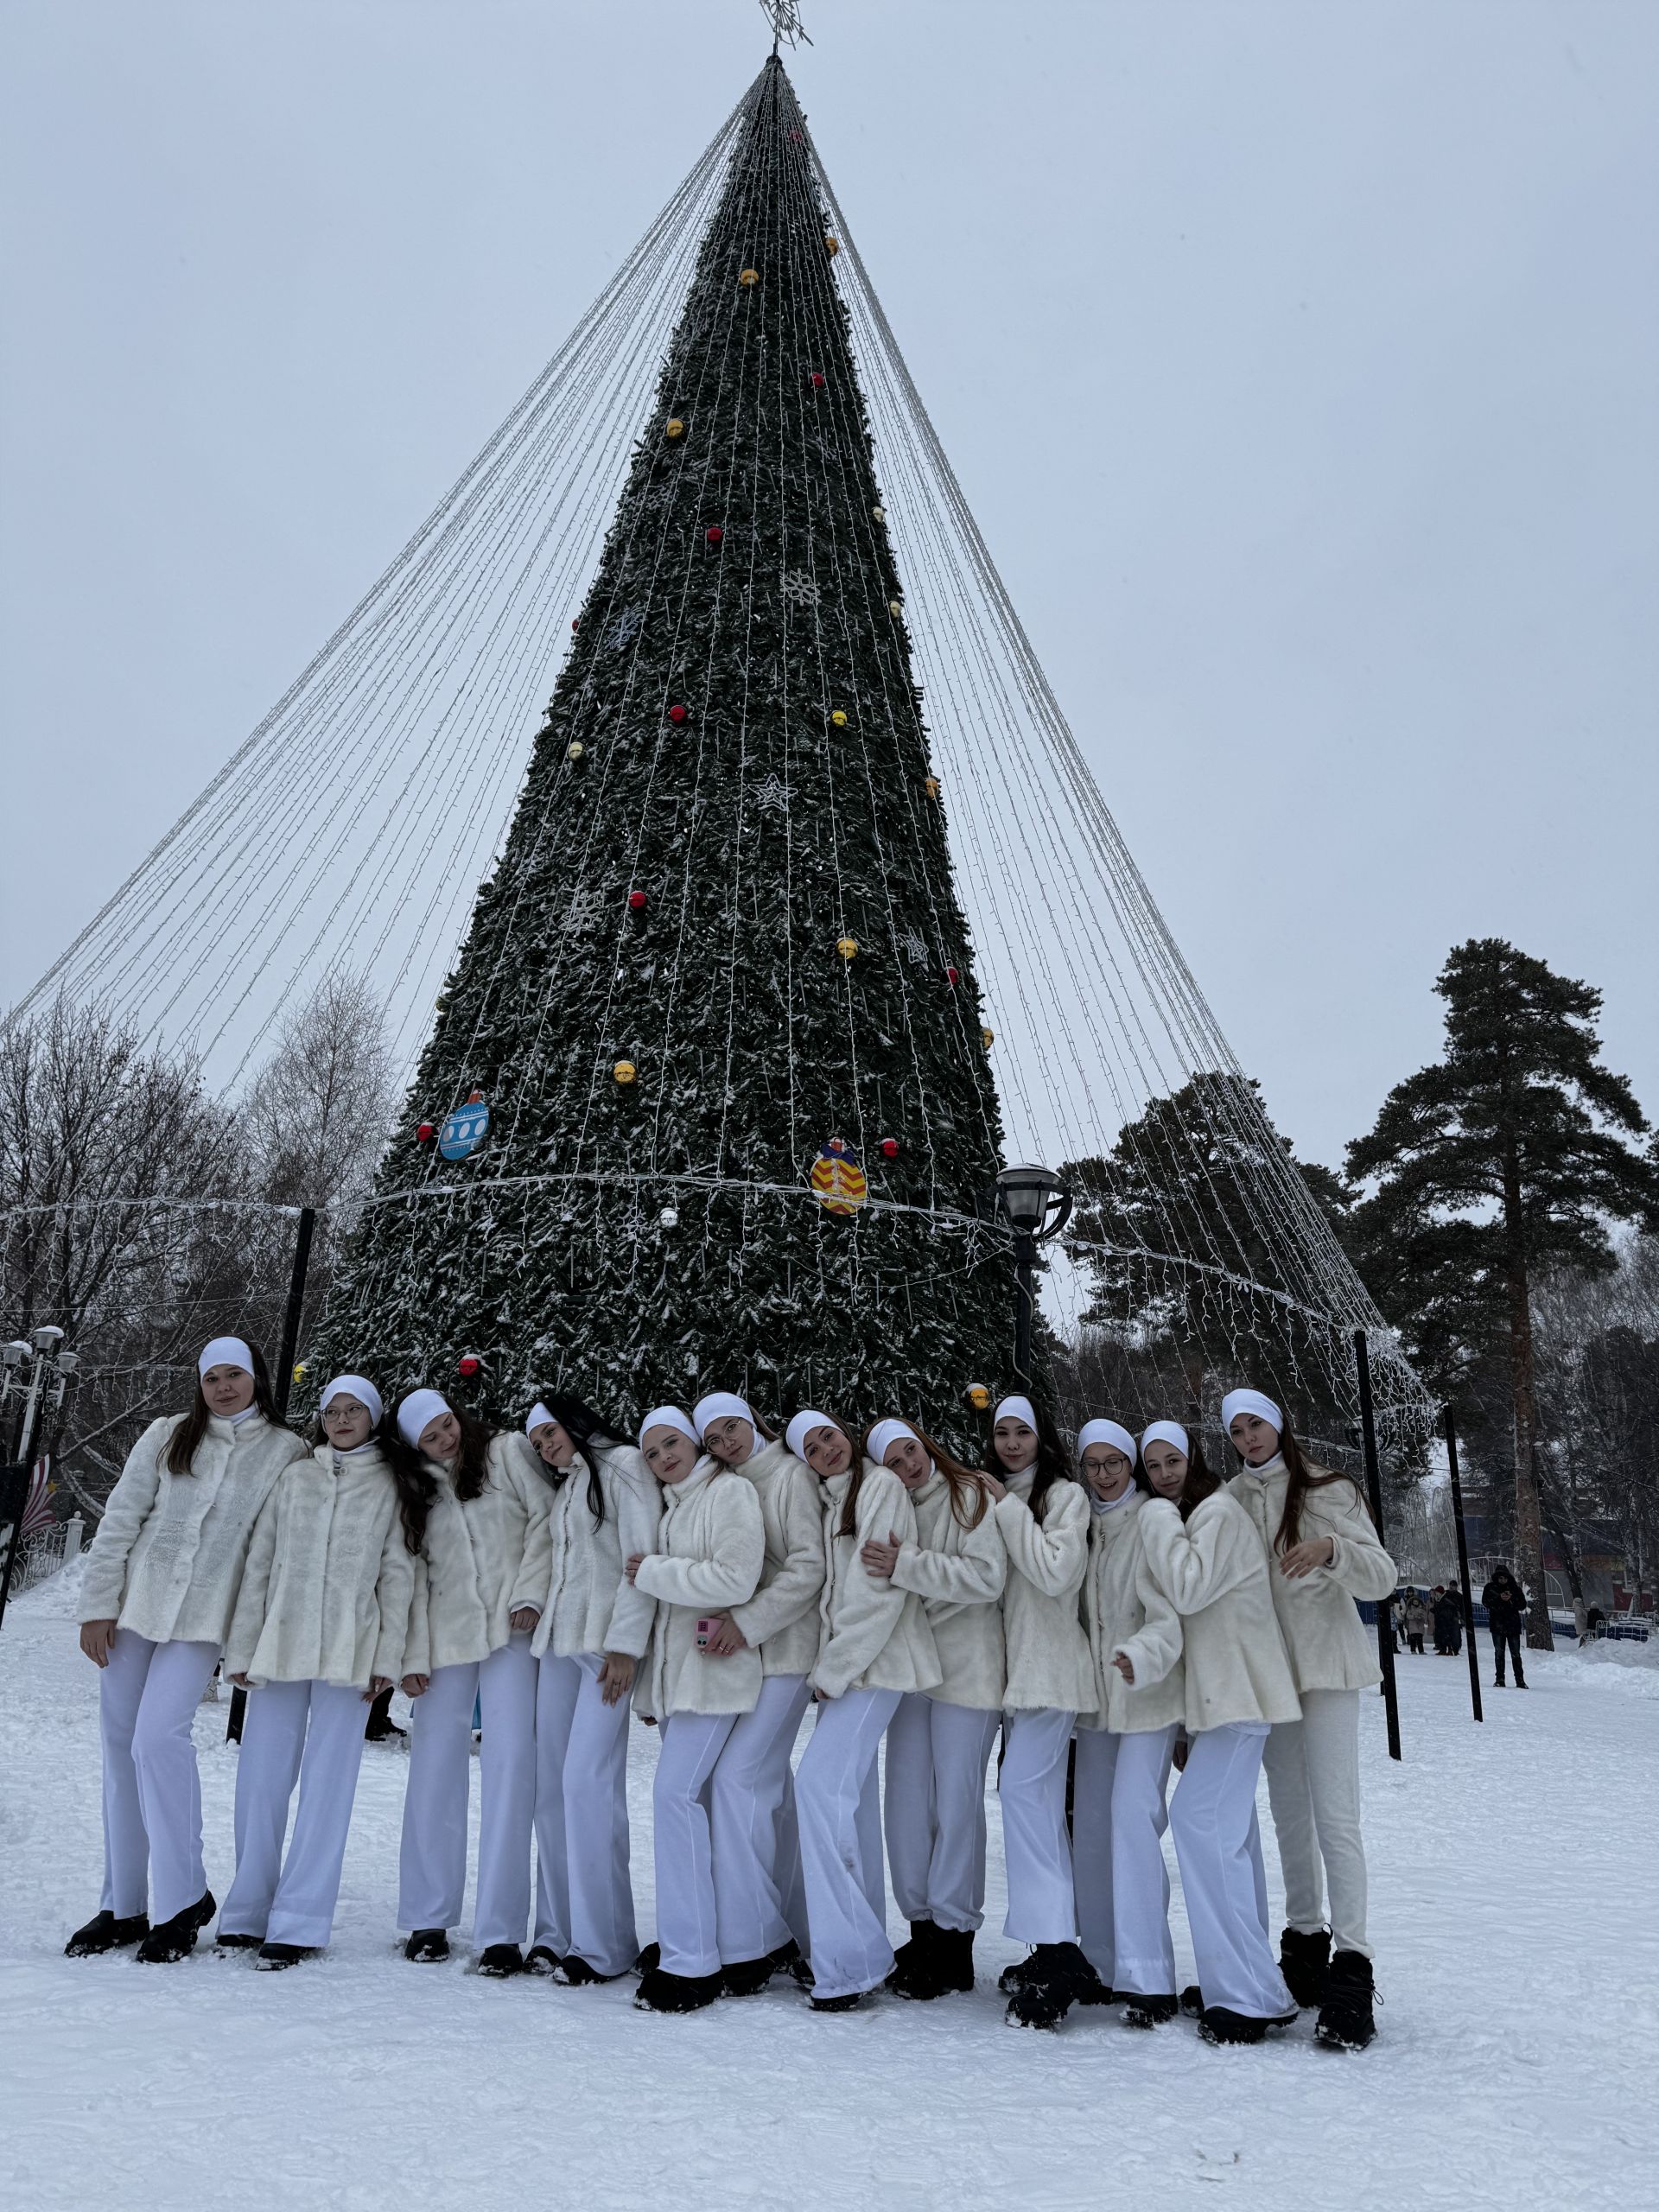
{"x": 723, "y": 936}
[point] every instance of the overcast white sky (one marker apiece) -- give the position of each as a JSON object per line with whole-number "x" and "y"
{"x": 1300, "y": 360}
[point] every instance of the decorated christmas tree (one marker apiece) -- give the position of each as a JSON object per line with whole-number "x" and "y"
{"x": 718, "y": 997}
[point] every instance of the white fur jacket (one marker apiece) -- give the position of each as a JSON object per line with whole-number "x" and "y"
{"x": 483, "y": 1559}
{"x": 591, "y": 1605}
{"x": 1048, "y": 1661}
{"x": 1330, "y": 1647}
{"x": 329, "y": 1581}
{"x": 1127, "y": 1611}
{"x": 958, "y": 1573}
{"x": 711, "y": 1549}
{"x": 873, "y": 1636}
{"x": 1215, "y": 1575}
{"x": 781, "y": 1619}
{"x": 168, "y": 1558}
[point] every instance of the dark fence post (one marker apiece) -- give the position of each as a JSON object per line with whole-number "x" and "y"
{"x": 281, "y": 1383}
{"x": 1374, "y": 1484}
{"x": 1463, "y": 1565}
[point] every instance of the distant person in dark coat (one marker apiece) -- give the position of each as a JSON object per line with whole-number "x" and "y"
{"x": 1506, "y": 1610}
{"x": 1448, "y": 1621}
{"x": 1416, "y": 1620}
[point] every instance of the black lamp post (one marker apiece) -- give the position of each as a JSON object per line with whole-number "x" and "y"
{"x": 1036, "y": 1205}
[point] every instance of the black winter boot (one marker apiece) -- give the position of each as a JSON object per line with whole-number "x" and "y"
{"x": 1021, "y": 1975}
{"x": 104, "y": 1932}
{"x": 853, "y": 2001}
{"x": 910, "y": 1958}
{"x": 1040, "y": 2005}
{"x": 1217, "y": 2025}
{"x": 427, "y": 1946}
{"x": 1149, "y": 2011}
{"x": 1192, "y": 2001}
{"x": 273, "y": 1957}
{"x": 577, "y": 1974}
{"x": 1304, "y": 1960}
{"x": 749, "y": 1977}
{"x": 676, "y": 1993}
{"x": 542, "y": 1959}
{"x": 176, "y": 1939}
{"x": 1346, "y": 2020}
{"x": 496, "y": 1962}
{"x": 224, "y": 1943}
{"x": 649, "y": 1960}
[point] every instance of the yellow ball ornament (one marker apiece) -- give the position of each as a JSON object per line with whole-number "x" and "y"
{"x": 932, "y": 786}
{"x": 846, "y": 947}
{"x": 880, "y": 513}
{"x": 748, "y": 276}
{"x": 895, "y": 607}
{"x": 575, "y": 750}
{"x": 832, "y": 246}
{"x": 978, "y": 1396}
{"x": 987, "y": 1038}
{"x": 625, "y": 1071}
{"x": 674, "y": 427}
{"x": 839, "y": 718}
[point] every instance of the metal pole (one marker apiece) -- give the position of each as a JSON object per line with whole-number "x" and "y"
{"x": 1374, "y": 1484}
{"x": 25, "y": 1447}
{"x": 1025, "y": 1295}
{"x": 1463, "y": 1565}
{"x": 281, "y": 1382}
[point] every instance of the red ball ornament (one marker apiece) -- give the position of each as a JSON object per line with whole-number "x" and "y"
{"x": 576, "y": 624}
{"x": 817, "y": 379}
{"x": 889, "y": 1147}
{"x": 714, "y": 533}
{"x": 951, "y": 976}
{"x": 676, "y": 714}
{"x": 638, "y": 901}
{"x": 425, "y": 1133}
{"x": 467, "y": 1365}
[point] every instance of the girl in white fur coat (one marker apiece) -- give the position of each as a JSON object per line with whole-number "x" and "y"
{"x": 874, "y": 1647}
{"x": 593, "y": 1632}
{"x": 939, "y": 1740}
{"x": 1324, "y": 1553}
{"x": 750, "y": 1797}
{"x": 318, "y": 1633}
{"x": 1126, "y": 1745}
{"x": 485, "y": 1569}
{"x": 156, "y": 1596}
{"x": 1043, "y": 1515}
{"x": 1203, "y": 1554}
{"x": 708, "y": 1557}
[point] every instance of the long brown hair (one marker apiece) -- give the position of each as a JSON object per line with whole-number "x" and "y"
{"x": 971, "y": 1496}
{"x": 848, "y": 1524}
{"x": 1305, "y": 1475}
{"x": 472, "y": 1460}
{"x": 182, "y": 1450}
{"x": 415, "y": 1487}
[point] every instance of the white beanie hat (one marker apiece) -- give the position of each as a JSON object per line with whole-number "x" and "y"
{"x": 418, "y": 1411}
{"x": 1106, "y": 1431}
{"x": 802, "y": 1427}
{"x": 1167, "y": 1432}
{"x": 223, "y": 1351}
{"x": 1015, "y": 1408}
{"x": 667, "y": 1417}
{"x": 354, "y": 1386}
{"x": 886, "y": 1434}
{"x": 720, "y": 1405}
{"x": 1250, "y": 1401}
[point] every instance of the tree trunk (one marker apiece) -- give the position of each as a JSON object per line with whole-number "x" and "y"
{"x": 1529, "y": 1529}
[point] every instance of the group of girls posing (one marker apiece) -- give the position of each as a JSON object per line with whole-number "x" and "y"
{"x": 715, "y": 1582}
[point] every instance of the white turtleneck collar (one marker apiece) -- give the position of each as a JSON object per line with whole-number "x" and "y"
{"x": 1098, "y": 1504}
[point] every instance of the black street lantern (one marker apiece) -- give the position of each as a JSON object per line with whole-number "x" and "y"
{"x": 1036, "y": 1204}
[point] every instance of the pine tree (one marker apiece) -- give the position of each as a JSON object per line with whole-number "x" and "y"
{"x": 722, "y": 932}
{"x": 1511, "y": 1154}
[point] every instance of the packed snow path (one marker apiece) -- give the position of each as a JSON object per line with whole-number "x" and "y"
{"x": 1514, "y": 1913}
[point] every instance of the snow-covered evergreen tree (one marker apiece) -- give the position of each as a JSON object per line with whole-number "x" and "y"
{"x": 722, "y": 932}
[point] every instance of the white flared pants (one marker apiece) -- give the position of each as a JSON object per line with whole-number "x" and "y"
{"x": 1118, "y": 1819}
{"x": 935, "y": 1809}
{"x": 838, "y": 1804}
{"x": 756, "y": 1849}
{"x": 1218, "y": 1849}
{"x": 584, "y": 1896}
{"x": 688, "y": 1920}
{"x": 432, "y": 1881}
{"x": 1042, "y": 1907}
{"x": 311, "y": 1734}
{"x": 1313, "y": 1768}
{"x": 146, "y": 1701}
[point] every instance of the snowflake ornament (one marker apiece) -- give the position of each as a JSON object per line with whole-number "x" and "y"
{"x": 798, "y": 588}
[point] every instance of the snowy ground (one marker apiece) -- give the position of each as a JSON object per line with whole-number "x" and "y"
{"x": 1516, "y": 1899}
